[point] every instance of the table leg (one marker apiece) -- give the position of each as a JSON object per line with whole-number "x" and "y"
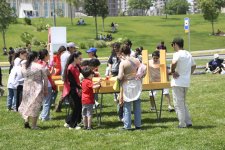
{"x": 155, "y": 105}
{"x": 160, "y": 111}
{"x": 100, "y": 113}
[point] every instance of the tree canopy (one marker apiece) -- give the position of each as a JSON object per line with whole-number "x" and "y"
{"x": 175, "y": 7}
{"x": 7, "y": 16}
{"x": 210, "y": 10}
{"x": 143, "y": 5}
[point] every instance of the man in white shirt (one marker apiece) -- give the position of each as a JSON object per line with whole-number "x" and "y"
{"x": 71, "y": 47}
{"x": 183, "y": 65}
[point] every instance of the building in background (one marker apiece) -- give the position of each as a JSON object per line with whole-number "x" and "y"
{"x": 113, "y": 7}
{"x": 41, "y": 8}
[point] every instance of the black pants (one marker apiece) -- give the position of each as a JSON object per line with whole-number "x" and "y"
{"x": 19, "y": 96}
{"x": 120, "y": 112}
{"x": 76, "y": 108}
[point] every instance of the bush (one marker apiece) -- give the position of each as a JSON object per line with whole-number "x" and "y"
{"x": 26, "y": 37}
{"x": 35, "y": 42}
{"x": 100, "y": 44}
{"x": 90, "y": 44}
{"x": 82, "y": 45}
{"x": 27, "y": 21}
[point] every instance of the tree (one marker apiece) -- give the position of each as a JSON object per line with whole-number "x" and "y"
{"x": 143, "y": 5}
{"x": 7, "y": 16}
{"x": 75, "y": 3}
{"x": 177, "y": 7}
{"x": 103, "y": 11}
{"x": 91, "y": 7}
{"x": 210, "y": 10}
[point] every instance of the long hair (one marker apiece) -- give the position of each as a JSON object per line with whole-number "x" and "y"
{"x": 18, "y": 52}
{"x": 30, "y": 58}
{"x": 70, "y": 60}
{"x": 43, "y": 53}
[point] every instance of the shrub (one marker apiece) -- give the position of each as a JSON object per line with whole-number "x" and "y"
{"x": 100, "y": 44}
{"x": 82, "y": 45}
{"x": 35, "y": 42}
{"x": 26, "y": 37}
{"x": 90, "y": 44}
{"x": 27, "y": 21}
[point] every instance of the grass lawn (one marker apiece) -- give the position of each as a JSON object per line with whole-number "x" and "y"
{"x": 206, "y": 104}
{"x": 145, "y": 31}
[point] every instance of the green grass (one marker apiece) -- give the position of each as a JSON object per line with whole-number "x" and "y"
{"x": 145, "y": 31}
{"x": 206, "y": 104}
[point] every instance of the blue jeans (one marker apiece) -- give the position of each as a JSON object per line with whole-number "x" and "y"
{"x": 127, "y": 114}
{"x": 11, "y": 99}
{"x": 45, "y": 113}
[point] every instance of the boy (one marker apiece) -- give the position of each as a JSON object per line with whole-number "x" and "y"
{"x": 155, "y": 77}
{"x": 88, "y": 96}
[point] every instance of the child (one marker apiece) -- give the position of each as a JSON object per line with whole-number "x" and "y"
{"x": 88, "y": 96}
{"x": 155, "y": 77}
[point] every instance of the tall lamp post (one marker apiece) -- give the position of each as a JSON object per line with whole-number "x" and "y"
{"x": 54, "y": 17}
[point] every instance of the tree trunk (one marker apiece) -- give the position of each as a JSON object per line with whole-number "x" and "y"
{"x": 96, "y": 27}
{"x": 103, "y": 24}
{"x": 213, "y": 27}
{"x": 3, "y": 37}
{"x": 71, "y": 15}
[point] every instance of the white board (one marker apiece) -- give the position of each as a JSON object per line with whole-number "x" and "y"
{"x": 58, "y": 35}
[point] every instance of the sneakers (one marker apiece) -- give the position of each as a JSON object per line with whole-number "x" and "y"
{"x": 76, "y": 128}
{"x": 66, "y": 125}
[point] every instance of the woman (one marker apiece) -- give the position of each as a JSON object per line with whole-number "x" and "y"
{"x": 43, "y": 60}
{"x": 72, "y": 89}
{"x": 34, "y": 89}
{"x": 131, "y": 88}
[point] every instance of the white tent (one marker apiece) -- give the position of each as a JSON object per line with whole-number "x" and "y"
{"x": 26, "y": 10}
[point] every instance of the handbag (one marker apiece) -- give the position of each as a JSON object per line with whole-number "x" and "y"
{"x": 116, "y": 85}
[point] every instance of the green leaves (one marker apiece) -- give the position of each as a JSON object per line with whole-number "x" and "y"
{"x": 177, "y": 7}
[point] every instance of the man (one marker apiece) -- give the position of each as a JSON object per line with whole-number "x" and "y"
{"x": 161, "y": 46}
{"x": 71, "y": 47}
{"x": 183, "y": 65}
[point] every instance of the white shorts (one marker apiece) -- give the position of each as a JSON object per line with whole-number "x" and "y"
{"x": 165, "y": 91}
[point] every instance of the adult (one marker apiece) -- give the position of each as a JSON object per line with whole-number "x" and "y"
{"x": 183, "y": 65}
{"x": 71, "y": 47}
{"x": 33, "y": 96}
{"x": 113, "y": 63}
{"x": 131, "y": 88}
{"x": 161, "y": 46}
{"x": 214, "y": 65}
{"x": 72, "y": 90}
{"x": 43, "y": 60}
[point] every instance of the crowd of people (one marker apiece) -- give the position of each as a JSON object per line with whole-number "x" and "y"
{"x": 34, "y": 68}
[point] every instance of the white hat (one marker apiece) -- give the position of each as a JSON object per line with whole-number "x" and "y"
{"x": 216, "y": 56}
{"x": 71, "y": 44}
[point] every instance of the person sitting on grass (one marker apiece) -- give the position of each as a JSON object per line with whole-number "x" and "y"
{"x": 88, "y": 96}
{"x": 214, "y": 66}
{"x": 154, "y": 67}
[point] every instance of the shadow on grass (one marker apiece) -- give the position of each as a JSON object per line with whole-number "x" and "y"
{"x": 46, "y": 127}
{"x": 202, "y": 127}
